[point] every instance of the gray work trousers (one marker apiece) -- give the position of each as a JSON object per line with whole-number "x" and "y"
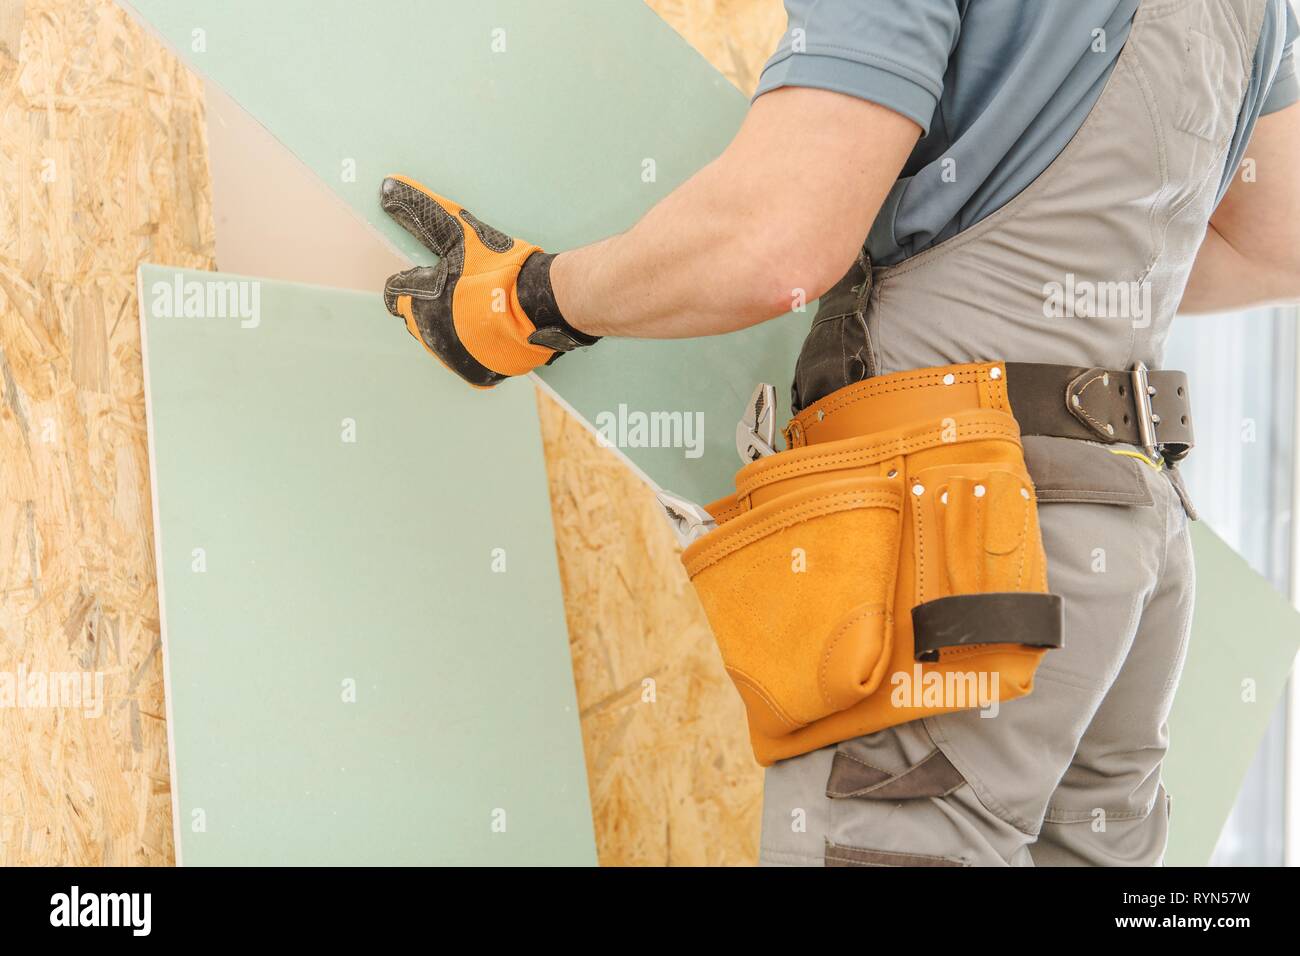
{"x": 1069, "y": 775}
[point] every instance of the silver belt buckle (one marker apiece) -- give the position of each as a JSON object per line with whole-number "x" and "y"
{"x": 1147, "y": 419}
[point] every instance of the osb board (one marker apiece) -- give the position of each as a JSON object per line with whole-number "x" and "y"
{"x": 103, "y": 165}
{"x": 671, "y": 775}
{"x": 672, "y": 778}
{"x": 736, "y": 36}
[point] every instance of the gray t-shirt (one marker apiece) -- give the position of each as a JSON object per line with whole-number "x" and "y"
{"x": 999, "y": 87}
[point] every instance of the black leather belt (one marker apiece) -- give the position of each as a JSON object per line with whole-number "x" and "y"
{"x": 1137, "y": 406}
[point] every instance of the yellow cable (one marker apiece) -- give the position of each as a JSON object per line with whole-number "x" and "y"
{"x": 1137, "y": 454}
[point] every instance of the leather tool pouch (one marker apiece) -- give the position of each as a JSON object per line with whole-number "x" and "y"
{"x": 862, "y": 582}
{"x": 818, "y": 641}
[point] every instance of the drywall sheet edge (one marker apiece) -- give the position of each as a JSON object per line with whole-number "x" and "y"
{"x": 365, "y": 645}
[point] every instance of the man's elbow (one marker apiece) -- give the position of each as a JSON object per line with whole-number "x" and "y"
{"x": 1274, "y": 276}
{"x": 786, "y": 280}
{"x": 1284, "y": 281}
{"x": 1286, "y": 264}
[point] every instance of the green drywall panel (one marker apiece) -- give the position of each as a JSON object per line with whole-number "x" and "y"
{"x": 328, "y": 509}
{"x": 543, "y": 118}
{"x": 1244, "y": 641}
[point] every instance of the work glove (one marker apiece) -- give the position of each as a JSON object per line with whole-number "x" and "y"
{"x": 486, "y": 310}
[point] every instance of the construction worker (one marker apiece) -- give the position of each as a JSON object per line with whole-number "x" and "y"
{"x": 1043, "y": 185}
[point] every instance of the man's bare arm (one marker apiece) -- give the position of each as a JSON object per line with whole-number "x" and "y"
{"x": 780, "y": 214}
{"x": 786, "y": 207}
{"x": 1251, "y": 252}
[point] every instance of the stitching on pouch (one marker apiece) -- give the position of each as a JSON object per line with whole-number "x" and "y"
{"x": 898, "y": 446}
{"x": 920, "y": 550}
{"x": 758, "y": 689}
{"x": 865, "y": 455}
{"x": 830, "y": 649}
{"x": 1000, "y": 392}
{"x": 1024, "y": 549}
{"x": 726, "y": 514}
{"x": 872, "y": 389}
{"x": 817, "y": 507}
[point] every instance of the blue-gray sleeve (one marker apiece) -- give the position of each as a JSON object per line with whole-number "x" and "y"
{"x": 894, "y": 54}
{"x": 1286, "y": 86}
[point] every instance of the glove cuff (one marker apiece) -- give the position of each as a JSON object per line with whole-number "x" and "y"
{"x": 538, "y": 300}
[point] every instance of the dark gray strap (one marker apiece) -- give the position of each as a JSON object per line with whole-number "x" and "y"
{"x": 934, "y": 776}
{"x": 999, "y": 617}
{"x": 1099, "y": 404}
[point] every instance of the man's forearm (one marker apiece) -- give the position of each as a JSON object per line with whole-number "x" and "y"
{"x": 756, "y": 229}
{"x": 742, "y": 241}
{"x": 691, "y": 267}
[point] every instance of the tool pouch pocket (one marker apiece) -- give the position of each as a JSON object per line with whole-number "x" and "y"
{"x": 799, "y": 592}
{"x": 981, "y": 573}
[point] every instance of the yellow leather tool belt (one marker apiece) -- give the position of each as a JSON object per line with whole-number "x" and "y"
{"x": 886, "y": 567}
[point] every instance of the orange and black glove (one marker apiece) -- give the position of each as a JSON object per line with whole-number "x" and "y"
{"x": 486, "y": 310}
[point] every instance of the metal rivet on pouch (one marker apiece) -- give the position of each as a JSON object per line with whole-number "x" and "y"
{"x": 995, "y": 372}
{"x": 1074, "y": 400}
{"x": 949, "y": 378}
{"x": 979, "y": 491}
{"x": 820, "y": 414}
{"x": 893, "y": 473}
{"x": 1105, "y": 378}
{"x": 1024, "y": 493}
{"x": 918, "y": 489}
{"x": 944, "y": 497}
{"x": 1110, "y": 429}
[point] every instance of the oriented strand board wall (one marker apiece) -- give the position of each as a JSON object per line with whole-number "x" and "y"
{"x": 102, "y": 164}
{"x": 672, "y": 781}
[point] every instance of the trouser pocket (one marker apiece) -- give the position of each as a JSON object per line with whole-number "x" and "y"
{"x": 799, "y": 592}
{"x": 889, "y": 797}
